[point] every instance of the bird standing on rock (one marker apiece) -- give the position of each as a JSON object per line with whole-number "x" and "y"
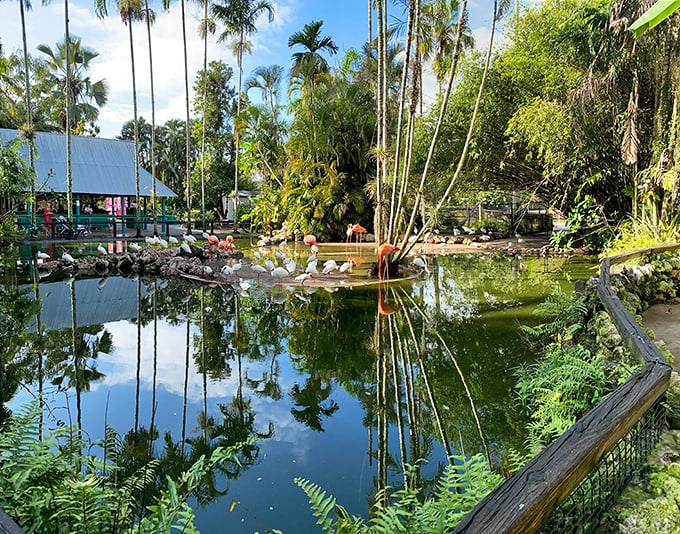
{"x": 101, "y": 250}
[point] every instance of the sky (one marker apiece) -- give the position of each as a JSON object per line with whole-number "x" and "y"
{"x": 345, "y": 21}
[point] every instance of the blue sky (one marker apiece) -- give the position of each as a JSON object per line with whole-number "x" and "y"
{"x": 345, "y": 21}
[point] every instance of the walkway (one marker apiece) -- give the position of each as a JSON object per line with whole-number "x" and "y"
{"x": 664, "y": 321}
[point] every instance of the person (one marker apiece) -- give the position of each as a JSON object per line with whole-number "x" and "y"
{"x": 87, "y": 210}
{"x": 47, "y": 215}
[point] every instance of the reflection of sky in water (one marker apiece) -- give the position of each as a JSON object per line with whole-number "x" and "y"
{"x": 337, "y": 458}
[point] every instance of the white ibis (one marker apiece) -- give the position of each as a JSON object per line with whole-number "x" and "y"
{"x": 101, "y": 250}
{"x": 329, "y": 266}
{"x": 311, "y": 268}
{"x": 42, "y": 255}
{"x": 303, "y": 277}
{"x": 279, "y": 273}
{"x": 67, "y": 257}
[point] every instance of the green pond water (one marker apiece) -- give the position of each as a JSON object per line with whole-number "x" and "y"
{"x": 342, "y": 388}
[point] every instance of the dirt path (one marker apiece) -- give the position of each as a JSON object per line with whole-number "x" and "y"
{"x": 664, "y": 321}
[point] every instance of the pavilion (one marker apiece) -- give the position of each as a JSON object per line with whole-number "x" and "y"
{"x": 99, "y": 168}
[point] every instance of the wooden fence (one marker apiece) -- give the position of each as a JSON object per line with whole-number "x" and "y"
{"x": 526, "y": 501}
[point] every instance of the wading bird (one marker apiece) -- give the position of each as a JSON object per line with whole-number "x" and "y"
{"x": 384, "y": 252}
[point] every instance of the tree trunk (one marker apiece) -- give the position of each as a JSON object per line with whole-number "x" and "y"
{"x": 153, "y": 122}
{"x": 136, "y": 126}
{"x": 187, "y": 129}
{"x": 29, "y": 115}
{"x": 69, "y": 172}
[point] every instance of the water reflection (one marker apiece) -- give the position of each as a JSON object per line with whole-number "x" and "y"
{"x": 340, "y": 388}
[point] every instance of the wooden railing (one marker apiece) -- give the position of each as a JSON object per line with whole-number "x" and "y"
{"x": 525, "y": 502}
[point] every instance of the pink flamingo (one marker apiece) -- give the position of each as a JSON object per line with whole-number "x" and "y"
{"x": 309, "y": 239}
{"x": 384, "y": 251}
{"x": 359, "y": 230}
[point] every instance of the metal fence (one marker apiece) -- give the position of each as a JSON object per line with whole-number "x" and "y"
{"x": 588, "y": 503}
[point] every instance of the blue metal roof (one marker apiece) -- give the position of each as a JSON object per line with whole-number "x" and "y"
{"x": 98, "y": 166}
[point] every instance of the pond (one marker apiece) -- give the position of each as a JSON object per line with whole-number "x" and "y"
{"x": 341, "y": 387}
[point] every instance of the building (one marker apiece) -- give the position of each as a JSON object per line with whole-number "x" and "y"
{"x": 100, "y": 168}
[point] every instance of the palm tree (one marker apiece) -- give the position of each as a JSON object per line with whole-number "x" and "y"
{"x": 239, "y": 17}
{"x": 206, "y": 26}
{"x": 268, "y": 80}
{"x": 309, "y": 63}
{"x": 85, "y": 96}
{"x": 78, "y": 91}
{"x": 148, "y": 17}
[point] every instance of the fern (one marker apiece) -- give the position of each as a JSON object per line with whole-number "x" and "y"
{"x": 461, "y": 485}
{"x": 564, "y": 316}
{"x": 43, "y": 487}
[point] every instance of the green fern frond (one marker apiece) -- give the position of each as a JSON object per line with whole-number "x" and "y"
{"x": 321, "y": 505}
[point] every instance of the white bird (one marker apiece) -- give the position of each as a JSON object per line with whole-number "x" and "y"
{"x": 257, "y": 255}
{"x": 101, "y": 250}
{"x": 42, "y": 255}
{"x": 135, "y": 247}
{"x": 172, "y": 239}
{"x": 189, "y": 238}
{"x": 162, "y": 242}
{"x": 259, "y": 269}
{"x": 290, "y": 265}
{"x": 278, "y": 254}
{"x": 226, "y": 270}
{"x": 205, "y": 235}
{"x": 347, "y": 266}
{"x": 314, "y": 249}
{"x": 185, "y": 247}
{"x": 311, "y": 268}
{"x": 279, "y": 273}
{"x": 302, "y": 277}
{"x": 236, "y": 266}
{"x": 67, "y": 257}
{"x": 329, "y": 266}
{"x": 269, "y": 264}
{"x": 311, "y": 258}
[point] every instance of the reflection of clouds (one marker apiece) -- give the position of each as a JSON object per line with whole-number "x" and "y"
{"x": 120, "y": 368}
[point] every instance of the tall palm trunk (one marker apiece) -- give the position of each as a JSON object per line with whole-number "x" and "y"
{"x": 205, "y": 100}
{"x": 379, "y": 216}
{"x": 136, "y": 125}
{"x": 237, "y": 135}
{"x": 153, "y": 121}
{"x": 402, "y": 96}
{"x": 29, "y": 115}
{"x": 69, "y": 171}
{"x": 187, "y": 129}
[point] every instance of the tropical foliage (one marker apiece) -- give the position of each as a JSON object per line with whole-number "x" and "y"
{"x": 49, "y": 485}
